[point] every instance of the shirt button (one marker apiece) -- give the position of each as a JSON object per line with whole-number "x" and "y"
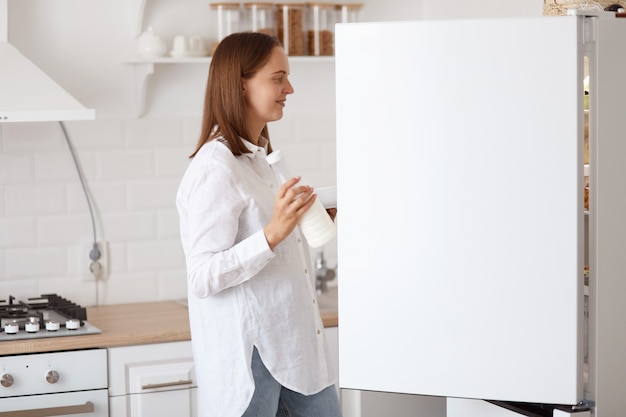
{"x": 319, "y": 331}
{"x": 314, "y": 301}
{"x": 306, "y": 271}
{"x": 271, "y": 186}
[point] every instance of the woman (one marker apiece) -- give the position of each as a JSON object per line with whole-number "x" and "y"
{"x": 257, "y": 334}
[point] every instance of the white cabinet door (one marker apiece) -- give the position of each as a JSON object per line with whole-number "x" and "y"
{"x": 164, "y": 403}
{"x": 151, "y": 380}
{"x": 460, "y": 191}
{"x": 164, "y": 387}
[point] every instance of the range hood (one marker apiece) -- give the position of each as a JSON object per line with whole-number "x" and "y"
{"x": 27, "y": 94}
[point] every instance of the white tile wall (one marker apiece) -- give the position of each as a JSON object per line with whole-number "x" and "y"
{"x": 132, "y": 167}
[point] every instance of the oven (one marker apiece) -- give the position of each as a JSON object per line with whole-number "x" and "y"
{"x": 69, "y": 383}
{"x": 63, "y": 383}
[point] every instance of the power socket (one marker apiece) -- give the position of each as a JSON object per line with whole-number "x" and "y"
{"x": 97, "y": 262}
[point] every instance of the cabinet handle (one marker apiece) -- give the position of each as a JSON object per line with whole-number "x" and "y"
{"x": 165, "y": 384}
{"x": 51, "y": 411}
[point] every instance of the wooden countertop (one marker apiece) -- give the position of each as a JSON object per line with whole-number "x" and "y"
{"x": 126, "y": 325}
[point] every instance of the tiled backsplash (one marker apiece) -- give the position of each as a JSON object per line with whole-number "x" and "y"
{"x": 132, "y": 168}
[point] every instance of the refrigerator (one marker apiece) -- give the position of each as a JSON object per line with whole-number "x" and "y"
{"x": 463, "y": 235}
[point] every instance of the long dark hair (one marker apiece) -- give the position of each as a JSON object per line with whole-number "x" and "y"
{"x": 237, "y": 57}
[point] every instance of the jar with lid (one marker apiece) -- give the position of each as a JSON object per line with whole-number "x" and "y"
{"x": 348, "y": 12}
{"x": 261, "y": 17}
{"x": 290, "y": 22}
{"x": 321, "y": 25}
{"x": 228, "y": 20}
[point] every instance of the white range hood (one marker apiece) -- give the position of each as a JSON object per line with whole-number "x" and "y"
{"x": 27, "y": 94}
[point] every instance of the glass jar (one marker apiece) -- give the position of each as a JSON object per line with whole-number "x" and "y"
{"x": 228, "y": 20}
{"x": 321, "y": 28}
{"x": 348, "y": 12}
{"x": 261, "y": 17}
{"x": 290, "y": 21}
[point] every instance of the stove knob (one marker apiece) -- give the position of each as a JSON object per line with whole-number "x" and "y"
{"x": 32, "y": 327}
{"x": 52, "y": 377}
{"x": 72, "y": 324}
{"x": 6, "y": 380}
{"x": 12, "y": 327}
{"x": 52, "y": 326}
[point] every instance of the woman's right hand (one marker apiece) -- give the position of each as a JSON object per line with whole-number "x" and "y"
{"x": 291, "y": 202}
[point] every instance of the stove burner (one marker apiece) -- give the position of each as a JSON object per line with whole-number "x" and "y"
{"x": 45, "y": 316}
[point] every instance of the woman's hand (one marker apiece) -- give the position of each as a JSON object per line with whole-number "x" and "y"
{"x": 332, "y": 212}
{"x": 290, "y": 204}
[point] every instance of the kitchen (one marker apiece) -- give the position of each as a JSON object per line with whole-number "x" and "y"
{"x": 135, "y": 151}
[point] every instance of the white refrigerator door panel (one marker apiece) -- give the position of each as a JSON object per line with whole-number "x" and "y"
{"x": 608, "y": 224}
{"x": 459, "y": 147}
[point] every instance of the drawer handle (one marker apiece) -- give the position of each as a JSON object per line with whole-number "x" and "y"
{"x": 167, "y": 384}
{"x": 51, "y": 411}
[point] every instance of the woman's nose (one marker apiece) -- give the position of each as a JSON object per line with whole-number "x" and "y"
{"x": 289, "y": 88}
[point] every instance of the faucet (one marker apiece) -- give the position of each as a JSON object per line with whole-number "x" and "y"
{"x": 323, "y": 274}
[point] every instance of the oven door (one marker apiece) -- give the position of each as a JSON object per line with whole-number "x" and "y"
{"x": 92, "y": 403}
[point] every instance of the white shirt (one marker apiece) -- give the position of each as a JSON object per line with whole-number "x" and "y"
{"x": 240, "y": 293}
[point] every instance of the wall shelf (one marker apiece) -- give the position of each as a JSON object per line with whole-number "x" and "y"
{"x": 145, "y": 67}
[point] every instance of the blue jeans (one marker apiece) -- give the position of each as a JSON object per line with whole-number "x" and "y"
{"x": 270, "y": 399}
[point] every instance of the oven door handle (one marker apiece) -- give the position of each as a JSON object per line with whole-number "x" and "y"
{"x": 51, "y": 411}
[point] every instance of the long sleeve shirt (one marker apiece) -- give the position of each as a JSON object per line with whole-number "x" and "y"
{"x": 242, "y": 294}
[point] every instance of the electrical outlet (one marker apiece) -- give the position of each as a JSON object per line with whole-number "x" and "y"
{"x": 96, "y": 261}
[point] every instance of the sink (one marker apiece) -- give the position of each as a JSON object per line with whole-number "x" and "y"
{"x": 327, "y": 301}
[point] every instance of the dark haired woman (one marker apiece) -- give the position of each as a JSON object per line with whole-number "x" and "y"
{"x": 257, "y": 334}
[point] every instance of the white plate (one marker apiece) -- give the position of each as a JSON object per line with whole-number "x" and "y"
{"x": 187, "y": 54}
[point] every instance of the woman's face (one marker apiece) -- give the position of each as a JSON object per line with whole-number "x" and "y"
{"x": 266, "y": 92}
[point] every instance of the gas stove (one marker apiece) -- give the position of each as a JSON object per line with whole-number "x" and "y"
{"x": 46, "y": 316}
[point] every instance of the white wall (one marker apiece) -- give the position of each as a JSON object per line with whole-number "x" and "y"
{"x": 133, "y": 164}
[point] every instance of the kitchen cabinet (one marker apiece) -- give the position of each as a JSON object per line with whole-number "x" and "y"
{"x": 151, "y": 380}
{"x": 159, "y": 379}
{"x": 478, "y": 288}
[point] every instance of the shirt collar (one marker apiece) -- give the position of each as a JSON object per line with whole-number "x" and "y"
{"x": 254, "y": 149}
